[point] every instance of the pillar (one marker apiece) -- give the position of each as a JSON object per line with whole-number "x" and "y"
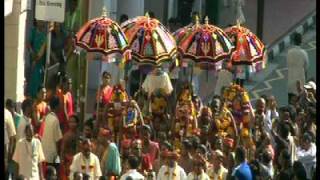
{"x": 15, "y": 36}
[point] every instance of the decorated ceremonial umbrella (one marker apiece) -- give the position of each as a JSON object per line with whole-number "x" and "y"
{"x": 149, "y": 41}
{"x": 101, "y": 38}
{"x": 249, "y": 50}
{"x": 206, "y": 45}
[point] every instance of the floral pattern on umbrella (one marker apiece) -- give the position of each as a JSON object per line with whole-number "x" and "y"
{"x": 249, "y": 48}
{"x": 150, "y": 41}
{"x": 204, "y": 44}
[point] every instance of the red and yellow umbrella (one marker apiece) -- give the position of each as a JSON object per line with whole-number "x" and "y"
{"x": 150, "y": 41}
{"x": 249, "y": 48}
{"x": 204, "y": 44}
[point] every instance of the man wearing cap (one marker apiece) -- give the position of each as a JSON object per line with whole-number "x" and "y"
{"x": 86, "y": 162}
{"x": 217, "y": 171}
{"x": 171, "y": 170}
{"x": 307, "y": 95}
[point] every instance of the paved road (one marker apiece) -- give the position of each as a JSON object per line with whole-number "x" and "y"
{"x": 274, "y": 81}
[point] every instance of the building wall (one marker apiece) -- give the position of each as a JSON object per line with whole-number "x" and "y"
{"x": 15, "y": 24}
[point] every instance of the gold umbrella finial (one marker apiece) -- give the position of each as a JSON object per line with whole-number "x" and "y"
{"x": 104, "y": 11}
{"x": 238, "y": 23}
{"x": 147, "y": 15}
{"x": 206, "y": 20}
{"x": 197, "y": 21}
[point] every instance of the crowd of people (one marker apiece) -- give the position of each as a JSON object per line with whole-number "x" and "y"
{"x": 152, "y": 135}
{"x": 146, "y": 137}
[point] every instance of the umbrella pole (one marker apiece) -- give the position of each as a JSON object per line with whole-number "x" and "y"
{"x": 98, "y": 101}
{"x": 207, "y": 73}
{"x": 48, "y": 55}
{"x": 191, "y": 75}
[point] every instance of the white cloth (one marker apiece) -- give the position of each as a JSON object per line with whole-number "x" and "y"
{"x": 79, "y": 160}
{"x": 22, "y": 125}
{"x": 224, "y": 79}
{"x": 9, "y": 127}
{"x": 292, "y": 149}
{"x": 51, "y": 135}
{"x": 297, "y": 61}
{"x": 308, "y": 158}
{"x": 28, "y": 155}
{"x": 202, "y": 176}
{"x": 222, "y": 172}
{"x": 134, "y": 174}
{"x": 179, "y": 173}
{"x": 154, "y": 82}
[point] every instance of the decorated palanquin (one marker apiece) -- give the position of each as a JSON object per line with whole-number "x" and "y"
{"x": 238, "y": 102}
{"x": 116, "y": 110}
{"x": 185, "y": 117}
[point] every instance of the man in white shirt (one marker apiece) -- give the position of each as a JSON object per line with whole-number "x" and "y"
{"x": 217, "y": 171}
{"x": 132, "y": 172}
{"x": 307, "y": 154}
{"x": 9, "y": 135}
{"x": 26, "y": 118}
{"x": 171, "y": 170}
{"x": 51, "y": 133}
{"x": 199, "y": 165}
{"x": 86, "y": 162}
{"x": 28, "y": 155}
{"x": 298, "y": 62}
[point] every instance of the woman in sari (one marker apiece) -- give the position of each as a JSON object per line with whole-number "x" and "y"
{"x": 67, "y": 104}
{"x": 40, "y": 108}
{"x": 37, "y": 48}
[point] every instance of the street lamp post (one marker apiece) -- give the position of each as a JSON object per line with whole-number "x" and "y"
{"x": 260, "y": 16}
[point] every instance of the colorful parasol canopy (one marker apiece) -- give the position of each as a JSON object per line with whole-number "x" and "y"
{"x": 249, "y": 48}
{"x": 204, "y": 44}
{"x": 150, "y": 41}
{"x": 101, "y": 36}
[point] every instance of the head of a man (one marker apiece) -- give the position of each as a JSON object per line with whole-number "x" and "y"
{"x": 136, "y": 148}
{"x": 260, "y": 106}
{"x": 10, "y": 105}
{"x": 54, "y": 104}
{"x": 146, "y": 134}
{"x": 73, "y": 122}
{"x": 88, "y": 128}
{"x": 86, "y": 147}
{"x": 133, "y": 162}
{"x": 27, "y": 107}
{"x": 240, "y": 154}
{"x": 297, "y": 39}
{"x": 42, "y": 93}
{"x": 216, "y": 105}
{"x": 218, "y": 158}
{"x": 306, "y": 141}
{"x": 29, "y": 132}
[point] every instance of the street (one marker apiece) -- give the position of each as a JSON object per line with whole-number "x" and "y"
{"x": 273, "y": 80}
